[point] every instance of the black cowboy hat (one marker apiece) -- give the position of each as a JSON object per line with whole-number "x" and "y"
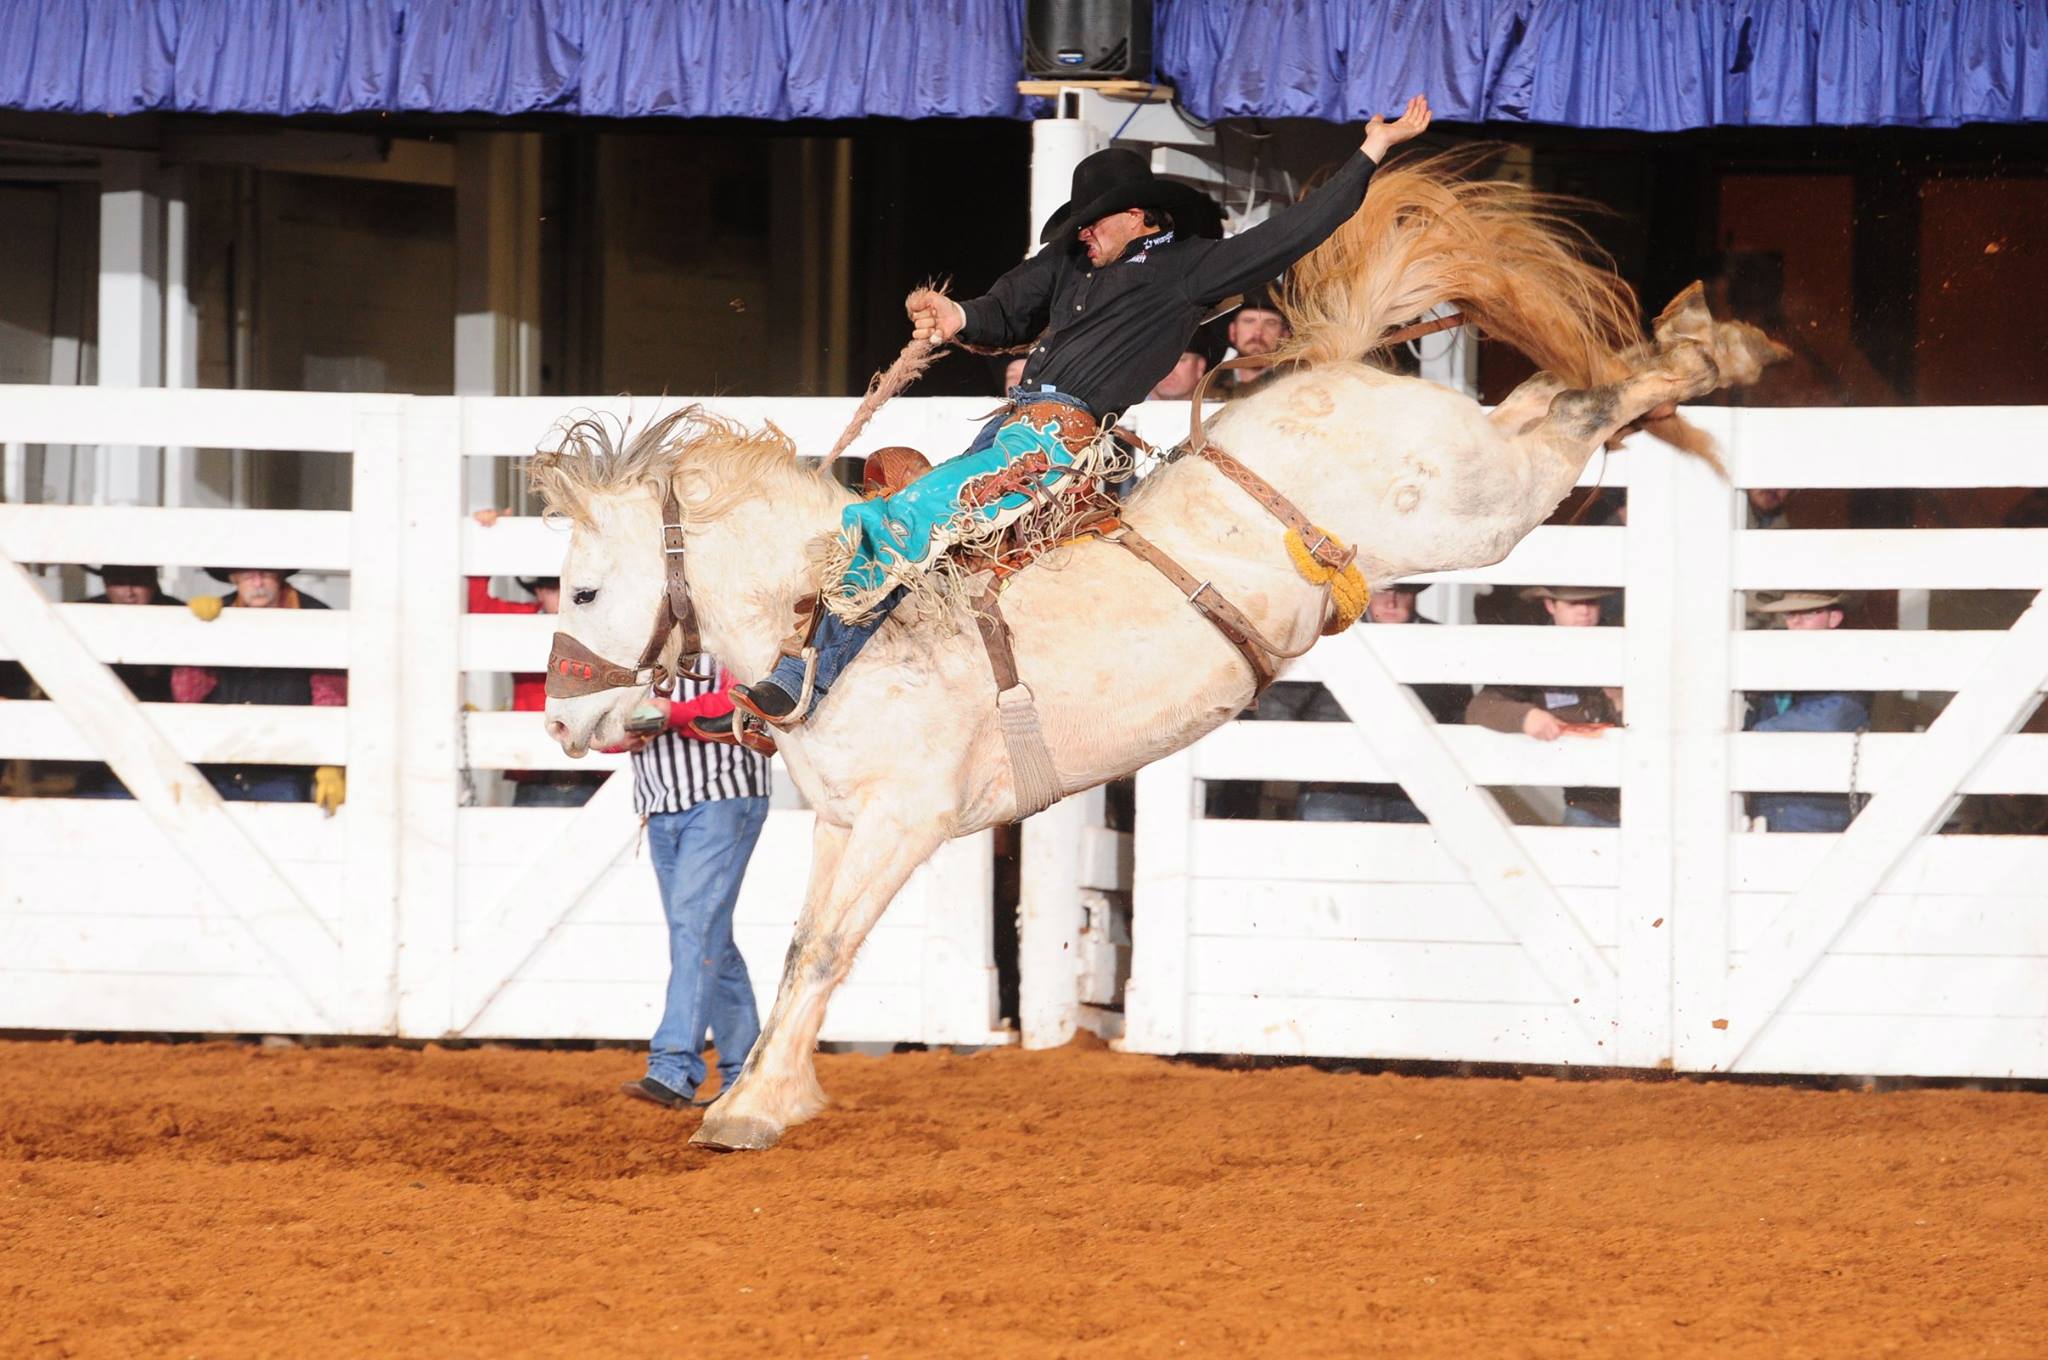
{"x": 225, "y": 575}
{"x": 1113, "y": 180}
{"x": 113, "y": 573}
{"x": 1211, "y": 341}
{"x": 1260, "y": 299}
{"x": 531, "y": 584}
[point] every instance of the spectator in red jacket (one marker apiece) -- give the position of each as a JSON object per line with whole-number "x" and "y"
{"x": 532, "y": 788}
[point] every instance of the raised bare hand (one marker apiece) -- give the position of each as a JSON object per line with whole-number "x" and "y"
{"x": 934, "y": 317}
{"x": 1382, "y": 136}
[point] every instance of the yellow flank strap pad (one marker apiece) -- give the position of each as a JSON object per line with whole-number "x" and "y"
{"x": 1348, "y": 590}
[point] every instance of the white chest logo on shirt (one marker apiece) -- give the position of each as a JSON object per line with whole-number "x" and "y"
{"x": 1560, "y": 698}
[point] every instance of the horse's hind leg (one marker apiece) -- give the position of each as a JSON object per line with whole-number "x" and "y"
{"x": 778, "y": 1086}
{"x": 1579, "y": 420}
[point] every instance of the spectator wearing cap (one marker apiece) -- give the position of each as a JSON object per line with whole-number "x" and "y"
{"x": 1804, "y": 711}
{"x": 1547, "y": 712}
{"x": 128, "y": 585}
{"x": 289, "y": 686}
{"x": 1257, "y": 328}
{"x": 1332, "y": 802}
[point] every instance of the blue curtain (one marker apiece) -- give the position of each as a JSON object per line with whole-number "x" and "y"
{"x": 605, "y": 58}
{"x": 1652, "y": 65}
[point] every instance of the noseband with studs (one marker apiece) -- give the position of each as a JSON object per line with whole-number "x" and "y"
{"x": 574, "y": 670}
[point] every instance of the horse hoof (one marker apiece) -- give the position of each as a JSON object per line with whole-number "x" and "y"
{"x": 736, "y": 1134}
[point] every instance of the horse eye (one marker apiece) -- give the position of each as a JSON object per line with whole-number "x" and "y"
{"x": 584, "y": 596}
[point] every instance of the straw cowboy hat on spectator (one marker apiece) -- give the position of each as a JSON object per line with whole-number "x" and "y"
{"x": 1568, "y": 594}
{"x": 1791, "y": 601}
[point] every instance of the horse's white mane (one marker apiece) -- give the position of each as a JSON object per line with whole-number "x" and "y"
{"x": 717, "y": 462}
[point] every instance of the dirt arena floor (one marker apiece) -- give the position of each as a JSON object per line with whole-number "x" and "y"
{"x": 230, "y": 1200}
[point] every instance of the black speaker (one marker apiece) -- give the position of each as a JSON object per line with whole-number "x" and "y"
{"x": 1088, "y": 39}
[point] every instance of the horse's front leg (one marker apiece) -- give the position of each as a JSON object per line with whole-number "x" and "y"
{"x": 779, "y": 1086}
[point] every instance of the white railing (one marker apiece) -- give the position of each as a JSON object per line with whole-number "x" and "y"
{"x": 406, "y": 913}
{"x": 1681, "y": 938}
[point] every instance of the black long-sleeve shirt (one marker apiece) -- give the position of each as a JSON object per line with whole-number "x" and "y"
{"x": 1111, "y": 333}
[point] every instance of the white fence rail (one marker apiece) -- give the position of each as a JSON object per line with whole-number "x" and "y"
{"x": 1681, "y": 938}
{"x": 407, "y": 913}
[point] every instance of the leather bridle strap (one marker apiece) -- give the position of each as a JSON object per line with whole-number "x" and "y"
{"x": 678, "y": 611}
{"x": 574, "y": 670}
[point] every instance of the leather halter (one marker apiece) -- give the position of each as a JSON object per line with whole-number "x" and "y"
{"x": 574, "y": 670}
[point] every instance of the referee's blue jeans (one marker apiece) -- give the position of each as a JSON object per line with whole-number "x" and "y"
{"x": 700, "y": 854}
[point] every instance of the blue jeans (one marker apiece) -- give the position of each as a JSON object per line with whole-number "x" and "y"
{"x": 838, "y": 642}
{"x": 572, "y": 792}
{"x": 700, "y": 855}
{"x": 1578, "y": 816}
{"x": 261, "y": 783}
{"x": 1356, "y": 805}
{"x": 1801, "y": 812}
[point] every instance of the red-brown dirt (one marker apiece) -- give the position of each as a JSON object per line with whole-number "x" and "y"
{"x": 232, "y": 1200}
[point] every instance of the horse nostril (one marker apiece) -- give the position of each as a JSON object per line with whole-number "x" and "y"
{"x": 557, "y": 729}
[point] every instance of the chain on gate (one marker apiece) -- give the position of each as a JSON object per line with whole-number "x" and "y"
{"x": 1857, "y": 801}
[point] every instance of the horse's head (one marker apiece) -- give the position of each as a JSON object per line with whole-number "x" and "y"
{"x": 636, "y": 501}
{"x": 626, "y": 614}
{"x": 617, "y": 633}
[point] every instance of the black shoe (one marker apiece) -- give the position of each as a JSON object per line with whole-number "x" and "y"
{"x": 765, "y": 699}
{"x": 720, "y": 726}
{"x": 652, "y": 1091}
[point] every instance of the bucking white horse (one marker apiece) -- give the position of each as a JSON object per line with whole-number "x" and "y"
{"x": 906, "y": 752}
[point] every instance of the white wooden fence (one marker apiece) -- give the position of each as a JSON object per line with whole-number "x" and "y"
{"x": 407, "y": 913}
{"x": 1681, "y": 939}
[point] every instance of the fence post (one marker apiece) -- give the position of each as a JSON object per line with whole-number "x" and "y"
{"x": 1651, "y": 646}
{"x": 959, "y": 976}
{"x": 1703, "y": 523}
{"x": 1156, "y": 997}
{"x": 370, "y": 939}
{"x": 1050, "y": 917}
{"x": 429, "y": 711}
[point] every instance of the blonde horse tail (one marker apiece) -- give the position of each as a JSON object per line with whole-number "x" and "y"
{"x": 1508, "y": 258}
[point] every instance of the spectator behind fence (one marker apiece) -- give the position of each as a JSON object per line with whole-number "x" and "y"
{"x": 1769, "y": 507}
{"x": 1205, "y": 351}
{"x": 1547, "y": 712}
{"x": 131, "y": 585}
{"x": 262, "y": 588}
{"x": 1336, "y": 802}
{"x": 1804, "y": 711}
{"x": 532, "y": 788}
{"x": 704, "y": 803}
{"x": 1256, "y": 328}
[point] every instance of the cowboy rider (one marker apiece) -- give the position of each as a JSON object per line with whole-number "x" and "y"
{"x": 1112, "y": 302}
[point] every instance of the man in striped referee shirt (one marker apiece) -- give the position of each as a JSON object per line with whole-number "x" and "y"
{"x": 704, "y": 802}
